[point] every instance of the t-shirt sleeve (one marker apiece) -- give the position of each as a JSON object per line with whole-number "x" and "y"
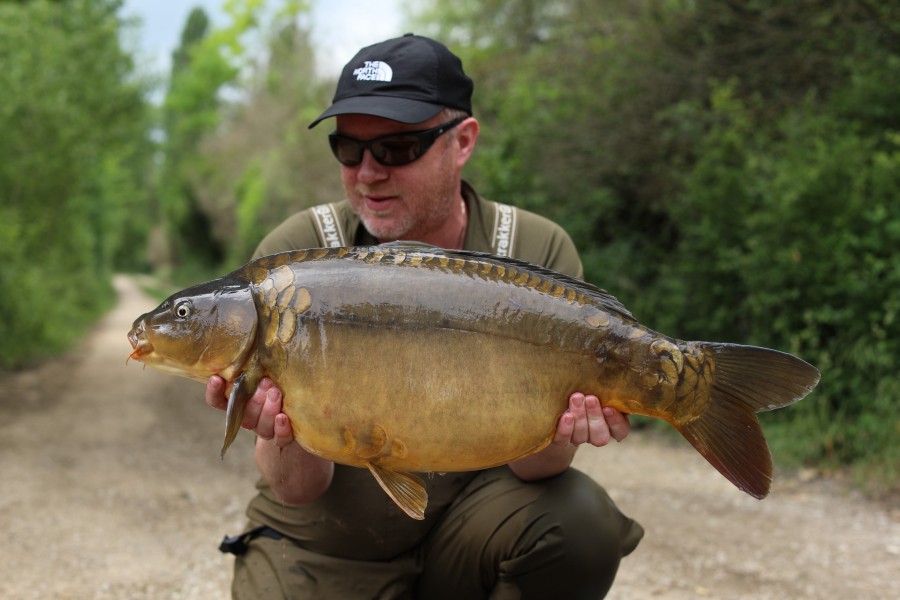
{"x": 297, "y": 232}
{"x": 543, "y": 242}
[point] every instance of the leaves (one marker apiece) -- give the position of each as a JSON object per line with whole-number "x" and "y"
{"x": 73, "y": 157}
{"x": 729, "y": 170}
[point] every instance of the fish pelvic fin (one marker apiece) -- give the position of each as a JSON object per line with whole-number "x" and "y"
{"x": 405, "y": 489}
{"x": 243, "y": 388}
{"x": 747, "y": 380}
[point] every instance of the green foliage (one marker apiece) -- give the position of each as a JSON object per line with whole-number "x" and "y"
{"x": 729, "y": 170}
{"x": 204, "y": 66}
{"x": 73, "y": 159}
{"x": 789, "y": 239}
{"x": 266, "y": 164}
{"x": 236, "y": 151}
{"x": 251, "y": 197}
{"x": 190, "y": 111}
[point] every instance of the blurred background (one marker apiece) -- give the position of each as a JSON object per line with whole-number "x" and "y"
{"x": 729, "y": 169}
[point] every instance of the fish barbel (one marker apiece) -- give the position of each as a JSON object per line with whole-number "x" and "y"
{"x": 404, "y": 358}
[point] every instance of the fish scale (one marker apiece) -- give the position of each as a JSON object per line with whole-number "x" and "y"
{"x": 478, "y": 263}
{"x": 404, "y": 358}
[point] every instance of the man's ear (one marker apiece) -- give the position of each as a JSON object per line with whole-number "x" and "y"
{"x": 466, "y": 136}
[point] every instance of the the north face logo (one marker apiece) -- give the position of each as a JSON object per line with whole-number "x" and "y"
{"x": 375, "y": 70}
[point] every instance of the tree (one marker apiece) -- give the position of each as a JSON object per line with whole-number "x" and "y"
{"x": 269, "y": 164}
{"x": 74, "y": 154}
{"x": 728, "y": 169}
{"x": 237, "y": 164}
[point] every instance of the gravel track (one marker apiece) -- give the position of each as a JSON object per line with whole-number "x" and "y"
{"x": 113, "y": 489}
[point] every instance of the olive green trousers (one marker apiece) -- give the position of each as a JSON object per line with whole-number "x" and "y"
{"x": 501, "y": 539}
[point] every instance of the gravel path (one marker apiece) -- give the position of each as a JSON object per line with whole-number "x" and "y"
{"x": 113, "y": 489}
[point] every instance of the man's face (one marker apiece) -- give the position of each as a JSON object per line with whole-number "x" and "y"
{"x": 406, "y": 202}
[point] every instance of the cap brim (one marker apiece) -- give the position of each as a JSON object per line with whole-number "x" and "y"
{"x": 403, "y": 110}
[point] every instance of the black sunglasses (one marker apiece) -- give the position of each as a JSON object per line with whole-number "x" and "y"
{"x": 392, "y": 150}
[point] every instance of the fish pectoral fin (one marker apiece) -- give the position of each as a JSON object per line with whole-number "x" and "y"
{"x": 243, "y": 388}
{"x": 405, "y": 489}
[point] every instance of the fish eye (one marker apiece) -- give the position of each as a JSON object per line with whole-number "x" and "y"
{"x": 183, "y": 310}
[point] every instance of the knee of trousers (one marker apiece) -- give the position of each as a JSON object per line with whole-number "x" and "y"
{"x": 526, "y": 536}
{"x": 591, "y": 525}
{"x": 575, "y": 536}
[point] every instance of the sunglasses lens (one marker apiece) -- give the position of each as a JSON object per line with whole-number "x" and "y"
{"x": 348, "y": 152}
{"x": 396, "y": 151}
{"x": 389, "y": 150}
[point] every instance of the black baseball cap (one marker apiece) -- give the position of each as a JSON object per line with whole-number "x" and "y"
{"x": 408, "y": 79}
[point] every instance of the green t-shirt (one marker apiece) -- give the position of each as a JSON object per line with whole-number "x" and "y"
{"x": 492, "y": 227}
{"x": 354, "y": 518}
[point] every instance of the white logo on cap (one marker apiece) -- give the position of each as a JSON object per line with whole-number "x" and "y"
{"x": 375, "y": 70}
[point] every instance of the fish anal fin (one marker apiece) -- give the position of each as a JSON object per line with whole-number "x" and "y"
{"x": 405, "y": 489}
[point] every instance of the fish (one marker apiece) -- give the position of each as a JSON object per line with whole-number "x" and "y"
{"x": 408, "y": 359}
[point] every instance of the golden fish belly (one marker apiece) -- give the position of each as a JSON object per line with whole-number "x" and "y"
{"x": 448, "y": 400}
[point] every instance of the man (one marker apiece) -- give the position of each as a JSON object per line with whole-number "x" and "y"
{"x": 532, "y": 529}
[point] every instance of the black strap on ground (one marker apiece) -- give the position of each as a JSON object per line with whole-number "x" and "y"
{"x": 237, "y": 544}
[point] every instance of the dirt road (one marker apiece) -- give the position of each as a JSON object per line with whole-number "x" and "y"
{"x": 112, "y": 489}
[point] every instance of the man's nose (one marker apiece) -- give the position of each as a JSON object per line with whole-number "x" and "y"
{"x": 370, "y": 169}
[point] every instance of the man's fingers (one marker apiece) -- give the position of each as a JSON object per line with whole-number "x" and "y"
{"x": 596, "y": 423}
{"x": 588, "y": 422}
{"x": 255, "y": 403}
{"x": 262, "y": 413}
{"x": 564, "y": 429}
{"x": 618, "y": 423}
{"x": 265, "y": 425}
{"x": 580, "y": 432}
{"x": 215, "y": 393}
{"x": 283, "y": 434}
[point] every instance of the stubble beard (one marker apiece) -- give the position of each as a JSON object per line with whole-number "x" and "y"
{"x": 433, "y": 204}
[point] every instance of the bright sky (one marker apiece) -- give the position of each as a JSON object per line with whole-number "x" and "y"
{"x": 340, "y": 27}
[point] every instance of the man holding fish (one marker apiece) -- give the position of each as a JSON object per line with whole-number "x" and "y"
{"x": 534, "y": 528}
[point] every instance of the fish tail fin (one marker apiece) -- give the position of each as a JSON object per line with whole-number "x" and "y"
{"x": 747, "y": 380}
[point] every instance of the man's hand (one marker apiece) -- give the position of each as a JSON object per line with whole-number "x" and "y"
{"x": 584, "y": 422}
{"x": 295, "y": 475}
{"x": 262, "y": 415}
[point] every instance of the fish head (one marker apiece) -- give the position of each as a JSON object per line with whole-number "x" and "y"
{"x": 205, "y": 330}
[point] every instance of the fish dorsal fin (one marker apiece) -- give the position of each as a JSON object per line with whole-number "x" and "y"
{"x": 601, "y": 296}
{"x": 410, "y": 245}
{"x": 407, "y": 490}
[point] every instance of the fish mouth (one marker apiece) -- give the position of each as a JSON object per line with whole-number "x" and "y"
{"x": 140, "y": 345}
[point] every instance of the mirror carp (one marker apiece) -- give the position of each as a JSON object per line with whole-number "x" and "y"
{"x": 404, "y": 358}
